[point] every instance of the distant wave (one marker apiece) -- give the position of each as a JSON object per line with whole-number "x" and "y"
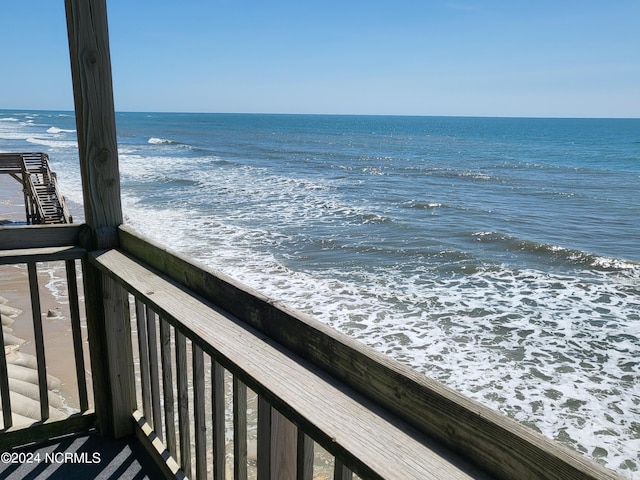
{"x": 52, "y": 143}
{"x": 558, "y": 253}
{"x": 160, "y": 141}
{"x": 452, "y": 173}
{"x": 418, "y": 205}
{"x": 59, "y": 130}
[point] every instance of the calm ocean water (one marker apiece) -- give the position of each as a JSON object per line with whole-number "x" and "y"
{"x": 499, "y": 256}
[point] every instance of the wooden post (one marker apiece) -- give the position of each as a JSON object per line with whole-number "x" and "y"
{"x": 95, "y": 118}
{"x": 107, "y": 304}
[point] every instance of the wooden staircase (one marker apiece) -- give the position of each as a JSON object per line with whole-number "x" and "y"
{"x": 43, "y": 202}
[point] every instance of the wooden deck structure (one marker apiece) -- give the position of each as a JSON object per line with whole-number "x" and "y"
{"x": 177, "y": 350}
{"x": 42, "y": 199}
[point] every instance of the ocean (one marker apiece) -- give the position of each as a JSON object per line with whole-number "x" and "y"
{"x": 500, "y": 256}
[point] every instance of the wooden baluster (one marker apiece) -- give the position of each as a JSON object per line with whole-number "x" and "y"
{"x": 143, "y": 354}
{"x": 184, "y": 421}
{"x": 277, "y": 454}
{"x": 239, "y": 429}
{"x": 38, "y": 338}
{"x": 76, "y": 332}
{"x": 199, "y": 415}
{"x": 218, "y": 420}
{"x": 264, "y": 439}
{"x": 340, "y": 472}
{"x": 283, "y": 447}
{"x": 167, "y": 387}
{"x": 305, "y": 456}
{"x": 154, "y": 377}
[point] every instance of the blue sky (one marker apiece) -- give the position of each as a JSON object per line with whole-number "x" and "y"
{"x": 410, "y": 57}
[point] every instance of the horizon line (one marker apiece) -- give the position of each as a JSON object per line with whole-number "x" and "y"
{"x": 186, "y": 112}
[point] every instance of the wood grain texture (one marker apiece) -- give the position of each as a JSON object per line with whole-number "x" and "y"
{"x": 97, "y": 347}
{"x": 143, "y": 357}
{"x": 218, "y": 420}
{"x": 284, "y": 454}
{"x": 184, "y": 422}
{"x": 95, "y": 118}
{"x": 488, "y": 439}
{"x": 239, "y": 429}
{"x": 36, "y": 236}
{"x": 167, "y": 388}
{"x": 264, "y": 440}
{"x": 76, "y": 332}
{"x": 119, "y": 356}
{"x": 305, "y": 456}
{"x": 154, "y": 374}
{"x": 42, "y": 254}
{"x": 199, "y": 420}
{"x": 107, "y": 313}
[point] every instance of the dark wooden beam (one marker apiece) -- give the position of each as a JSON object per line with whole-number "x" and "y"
{"x": 40, "y": 236}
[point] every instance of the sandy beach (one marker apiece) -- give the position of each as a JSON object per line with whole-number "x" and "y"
{"x": 14, "y": 287}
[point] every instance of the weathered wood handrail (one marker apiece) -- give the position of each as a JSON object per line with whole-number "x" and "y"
{"x": 40, "y": 236}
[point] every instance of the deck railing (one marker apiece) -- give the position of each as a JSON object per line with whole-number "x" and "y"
{"x": 32, "y": 261}
{"x": 230, "y": 384}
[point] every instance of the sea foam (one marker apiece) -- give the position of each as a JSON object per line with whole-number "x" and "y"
{"x": 52, "y": 143}
{"x": 55, "y": 130}
{"x": 159, "y": 141}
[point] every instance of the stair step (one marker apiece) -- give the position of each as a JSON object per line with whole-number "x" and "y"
{"x": 44, "y": 193}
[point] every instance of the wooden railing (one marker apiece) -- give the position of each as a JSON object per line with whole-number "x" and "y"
{"x": 39, "y": 246}
{"x": 44, "y": 202}
{"x": 185, "y": 345}
{"x": 64, "y": 210}
{"x": 230, "y": 384}
{"x": 33, "y": 203}
{"x": 314, "y": 387}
